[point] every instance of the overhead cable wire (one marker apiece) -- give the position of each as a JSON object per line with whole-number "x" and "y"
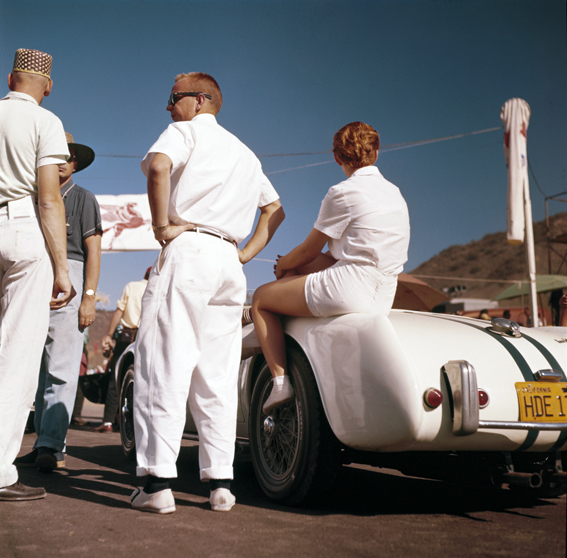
{"x": 396, "y": 146}
{"x": 302, "y": 167}
{"x": 386, "y": 148}
{"x": 390, "y": 147}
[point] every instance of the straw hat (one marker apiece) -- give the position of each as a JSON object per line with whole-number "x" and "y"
{"x": 84, "y": 155}
{"x": 33, "y": 62}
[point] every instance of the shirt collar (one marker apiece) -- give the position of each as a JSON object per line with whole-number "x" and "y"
{"x": 20, "y": 95}
{"x": 204, "y": 117}
{"x": 67, "y": 187}
{"x": 365, "y": 171}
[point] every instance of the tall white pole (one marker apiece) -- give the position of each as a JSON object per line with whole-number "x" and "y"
{"x": 530, "y": 256}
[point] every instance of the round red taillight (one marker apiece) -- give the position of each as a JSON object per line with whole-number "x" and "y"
{"x": 483, "y": 399}
{"x": 433, "y": 398}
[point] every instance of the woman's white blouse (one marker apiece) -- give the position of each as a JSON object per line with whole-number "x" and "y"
{"x": 367, "y": 219}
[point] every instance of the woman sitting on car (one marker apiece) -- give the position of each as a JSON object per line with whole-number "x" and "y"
{"x": 364, "y": 220}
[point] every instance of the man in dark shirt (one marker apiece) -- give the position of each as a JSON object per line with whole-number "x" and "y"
{"x": 59, "y": 372}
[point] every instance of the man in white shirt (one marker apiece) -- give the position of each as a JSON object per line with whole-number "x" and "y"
{"x": 204, "y": 187}
{"x": 32, "y": 146}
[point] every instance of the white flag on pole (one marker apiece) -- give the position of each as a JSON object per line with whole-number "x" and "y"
{"x": 515, "y": 115}
{"x": 126, "y": 223}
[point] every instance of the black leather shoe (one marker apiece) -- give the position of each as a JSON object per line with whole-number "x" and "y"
{"x": 48, "y": 459}
{"x": 27, "y": 460}
{"x": 18, "y": 492}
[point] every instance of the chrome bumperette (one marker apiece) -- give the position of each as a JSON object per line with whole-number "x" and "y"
{"x": 461, "y": 378}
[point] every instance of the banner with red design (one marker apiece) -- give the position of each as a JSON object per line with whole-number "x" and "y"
{"x": 126, "y": 223}
{"x": 515, "y": 116}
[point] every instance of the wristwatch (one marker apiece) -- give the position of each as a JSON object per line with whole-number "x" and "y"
{"x": 90, "y": 292}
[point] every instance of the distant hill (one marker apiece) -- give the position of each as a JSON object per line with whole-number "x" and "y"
{"x": 493, "y": 258}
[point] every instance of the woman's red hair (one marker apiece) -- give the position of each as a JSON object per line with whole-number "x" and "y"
{"x": 356, "y": 144}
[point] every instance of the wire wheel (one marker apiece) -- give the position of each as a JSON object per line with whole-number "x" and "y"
{"x": 126, "y": 412}
{"x": 280, "y": 436}
{"x": 294, "y": 452}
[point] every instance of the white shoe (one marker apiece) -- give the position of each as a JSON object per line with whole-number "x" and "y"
{"x": 222, "y": 499}
{"x": 279, "y": 396}
{"x": 158, "y": 502}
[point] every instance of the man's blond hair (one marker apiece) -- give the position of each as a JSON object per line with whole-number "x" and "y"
{"x": 204, "y": 83}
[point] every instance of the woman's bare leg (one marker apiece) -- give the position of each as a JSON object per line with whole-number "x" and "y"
{"x": 283, "y": 297}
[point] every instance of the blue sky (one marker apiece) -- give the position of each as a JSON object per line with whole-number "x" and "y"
{"x": 292, "y": 73}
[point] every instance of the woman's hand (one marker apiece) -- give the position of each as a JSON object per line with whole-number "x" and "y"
{"x": 280, "y": 271}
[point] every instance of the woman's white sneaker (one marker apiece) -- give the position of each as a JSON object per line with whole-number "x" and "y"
{"x": 279, "y": 395}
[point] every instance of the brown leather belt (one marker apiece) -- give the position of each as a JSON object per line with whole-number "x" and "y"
{"x": 213, "y": 234}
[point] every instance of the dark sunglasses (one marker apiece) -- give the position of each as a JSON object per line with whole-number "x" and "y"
{"x": 174, "y": 97}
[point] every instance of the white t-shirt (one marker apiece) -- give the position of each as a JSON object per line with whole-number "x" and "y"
{"x": 30, "y": 137}
{"x": 216, "y": 181}
{"x": 367, "y": 220}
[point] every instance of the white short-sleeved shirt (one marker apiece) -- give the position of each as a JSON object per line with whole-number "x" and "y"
{"x": 367, "y": 220}
{"x": 30, "y": 137}
{"x": 216, "y": 181}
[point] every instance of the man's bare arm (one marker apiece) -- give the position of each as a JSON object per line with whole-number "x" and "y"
{"x": 271, "y": 217}
{"x": 106, "y": 341}
{"x": 159, "y": 186}
{"x": 52, "y": 214}
{"x": 87, "y": 311}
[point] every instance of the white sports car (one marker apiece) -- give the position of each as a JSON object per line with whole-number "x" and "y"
{"x": 431, "y": 395}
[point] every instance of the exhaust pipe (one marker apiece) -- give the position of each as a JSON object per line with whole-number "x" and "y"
{"x": 529, "y": 480}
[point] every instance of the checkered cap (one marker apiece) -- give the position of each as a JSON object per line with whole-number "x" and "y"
{"x": 33, "y": 62}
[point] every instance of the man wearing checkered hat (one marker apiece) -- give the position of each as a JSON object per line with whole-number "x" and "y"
{"x": 32, "y": 215}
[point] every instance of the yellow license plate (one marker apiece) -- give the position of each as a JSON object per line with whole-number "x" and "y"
{"x": 542, "y": 401}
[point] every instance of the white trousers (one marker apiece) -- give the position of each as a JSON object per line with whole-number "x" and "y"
{"x": 26, "y": 277}
{"x": 188, "y": 350}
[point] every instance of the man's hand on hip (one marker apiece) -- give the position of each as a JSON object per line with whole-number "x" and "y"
{"x": 164, "y": 235}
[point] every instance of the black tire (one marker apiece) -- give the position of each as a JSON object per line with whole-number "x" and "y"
{"x": 126, "y": 412}
{"x": 294, "y": 452}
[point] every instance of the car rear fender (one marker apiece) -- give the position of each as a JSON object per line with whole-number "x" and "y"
{"x": 368, "y": 386}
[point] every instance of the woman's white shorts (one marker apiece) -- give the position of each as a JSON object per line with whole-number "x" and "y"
{"x": 349, "y": 287}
